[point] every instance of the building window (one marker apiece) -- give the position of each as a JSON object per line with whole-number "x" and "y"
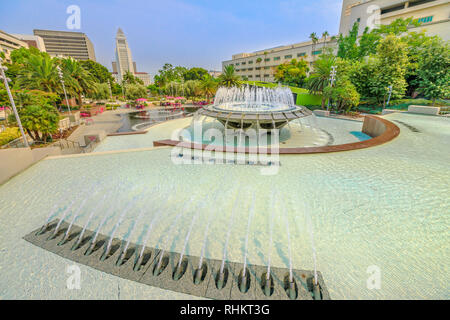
{"x": 250, "y": 62}
{"x": 258, "y": 68}
{"x": 250, "y": 69}
{"x": 392, "y": 9}
{"x": 267, "y": 59}
{"x": 244, "y": 63}
{"x": 419, "y": 2}
{"x": 266, "y": 68}
{"x": 266, "y": 75}
{"x": 301, "y": 54}
{"x": 317, "y": 52}
{"x": 237, "y": 63}
{"x": 250, "y": 76}
{"x": 276, "y": 58}
{"x": 258, "y": 76}
{"x": 289, "y": 56}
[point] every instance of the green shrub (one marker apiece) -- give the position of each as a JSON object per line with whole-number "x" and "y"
{"x": 9, "y": 135}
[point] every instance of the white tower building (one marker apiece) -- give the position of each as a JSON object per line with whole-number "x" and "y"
{"x": 124, "y": 60}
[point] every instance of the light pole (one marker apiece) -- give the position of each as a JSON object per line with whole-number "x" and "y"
{"x": 64, "y": 87}
{"x": 332, "y": 79}
{"x": 110, "y": 92}
{"x": 389, "y": 98}
{"x": 11, "y": 99}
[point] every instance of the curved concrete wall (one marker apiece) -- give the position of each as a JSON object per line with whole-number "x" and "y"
{"x": 378, "y": 128}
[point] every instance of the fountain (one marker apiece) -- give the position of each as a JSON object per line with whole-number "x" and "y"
{"x": 255, "y": 107}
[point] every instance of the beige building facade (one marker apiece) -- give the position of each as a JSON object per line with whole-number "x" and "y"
{"x": 67, "y": 44}
{"x": 434, "y": 16}
{"x": 9, "y": 43}
{"x": 32, "y": 41}
{"x": 260, "y": 65}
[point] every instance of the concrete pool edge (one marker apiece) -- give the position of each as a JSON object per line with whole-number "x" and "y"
{"x": 381, "y": 131}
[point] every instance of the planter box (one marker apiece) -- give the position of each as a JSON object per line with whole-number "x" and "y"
{"x": 75, "y": 116}
{"x": 64, "y": 124}
{"x": 424, "y": 110}
{"x": 322, "y": 113}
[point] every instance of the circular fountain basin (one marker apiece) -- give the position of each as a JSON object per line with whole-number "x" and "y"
{"x": 264, "y": 116}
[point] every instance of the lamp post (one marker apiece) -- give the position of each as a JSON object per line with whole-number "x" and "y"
{"x": 332, "y": 79}
{"x": 64, "y": 86}
{"x": 11, "y": 99}
{"x": 110, "y": 91}
{"x": 389, "y": 98}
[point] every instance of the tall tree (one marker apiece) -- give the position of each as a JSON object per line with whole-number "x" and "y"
{"x": 320, "y": 77}
{"x": 434, "y": 70}
{"x": 39, "y": 72}
{"x": 314, "y": 39}
{"x": 229, "y": 78}
{"x": 78, "y": 80}
{"x": 292, "y": 73}
{"x": 208, "y": 85}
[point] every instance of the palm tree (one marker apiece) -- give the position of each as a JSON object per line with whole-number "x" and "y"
{"x": 319, "y": 79}
{"x": 314, "y": 39}
{"x": 208, "y": 86}
{"x": 39, "y": 72}
{"x": 325, "y": 36}
{"x": 265, "y": 63}
{"x": 229, "y": 78}
{"x": 78, "y": 80}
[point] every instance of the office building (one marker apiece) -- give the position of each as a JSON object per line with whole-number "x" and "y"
{"x": 67, "y": 44}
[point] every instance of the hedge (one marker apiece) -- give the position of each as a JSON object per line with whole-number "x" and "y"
{"x": 9, "y": 135}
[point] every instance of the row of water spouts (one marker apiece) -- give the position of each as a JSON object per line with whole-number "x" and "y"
{"x": 254, "y": 97}
{"x": 222, "y": 274}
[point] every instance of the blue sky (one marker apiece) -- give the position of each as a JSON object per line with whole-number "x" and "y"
{"x": 181, "y": 32}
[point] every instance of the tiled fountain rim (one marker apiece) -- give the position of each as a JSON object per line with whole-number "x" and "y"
{"x": 391, "y": 131}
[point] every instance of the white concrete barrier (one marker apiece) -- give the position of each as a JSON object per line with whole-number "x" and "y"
{"x": 424, "y": 110}
{"x": 322, "y": 113}
{"x": 15, "y": 160}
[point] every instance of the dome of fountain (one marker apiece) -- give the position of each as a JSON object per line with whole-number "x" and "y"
{"x": 255, "y": 107}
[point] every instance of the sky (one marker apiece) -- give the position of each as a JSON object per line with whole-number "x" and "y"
{"x": 200, "y": 33}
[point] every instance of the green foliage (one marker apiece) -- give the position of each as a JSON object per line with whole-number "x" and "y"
{"x": 168, "y": 74}
{"x": 99, "y": 72}
{"x": 40, "y": 73}
{"x": 391, "y": 64}
{"x": 292, "y": 73}
{"x": 195, "y": 74}
{"x": 433, "y": 70}
{"x": 8, "y": 135}
{"x": 229, "y": 78}
{"x": 208, "y": 86}
{"x": 78, "y": 80}
{"x": 320, "y": 77}
{"x": 344, "y": 94}
{"x": 129, "y": 78}
{"x": 100, "y": 92}
{"x": 135, "y": 91}
{"x": 38, "y": 121}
